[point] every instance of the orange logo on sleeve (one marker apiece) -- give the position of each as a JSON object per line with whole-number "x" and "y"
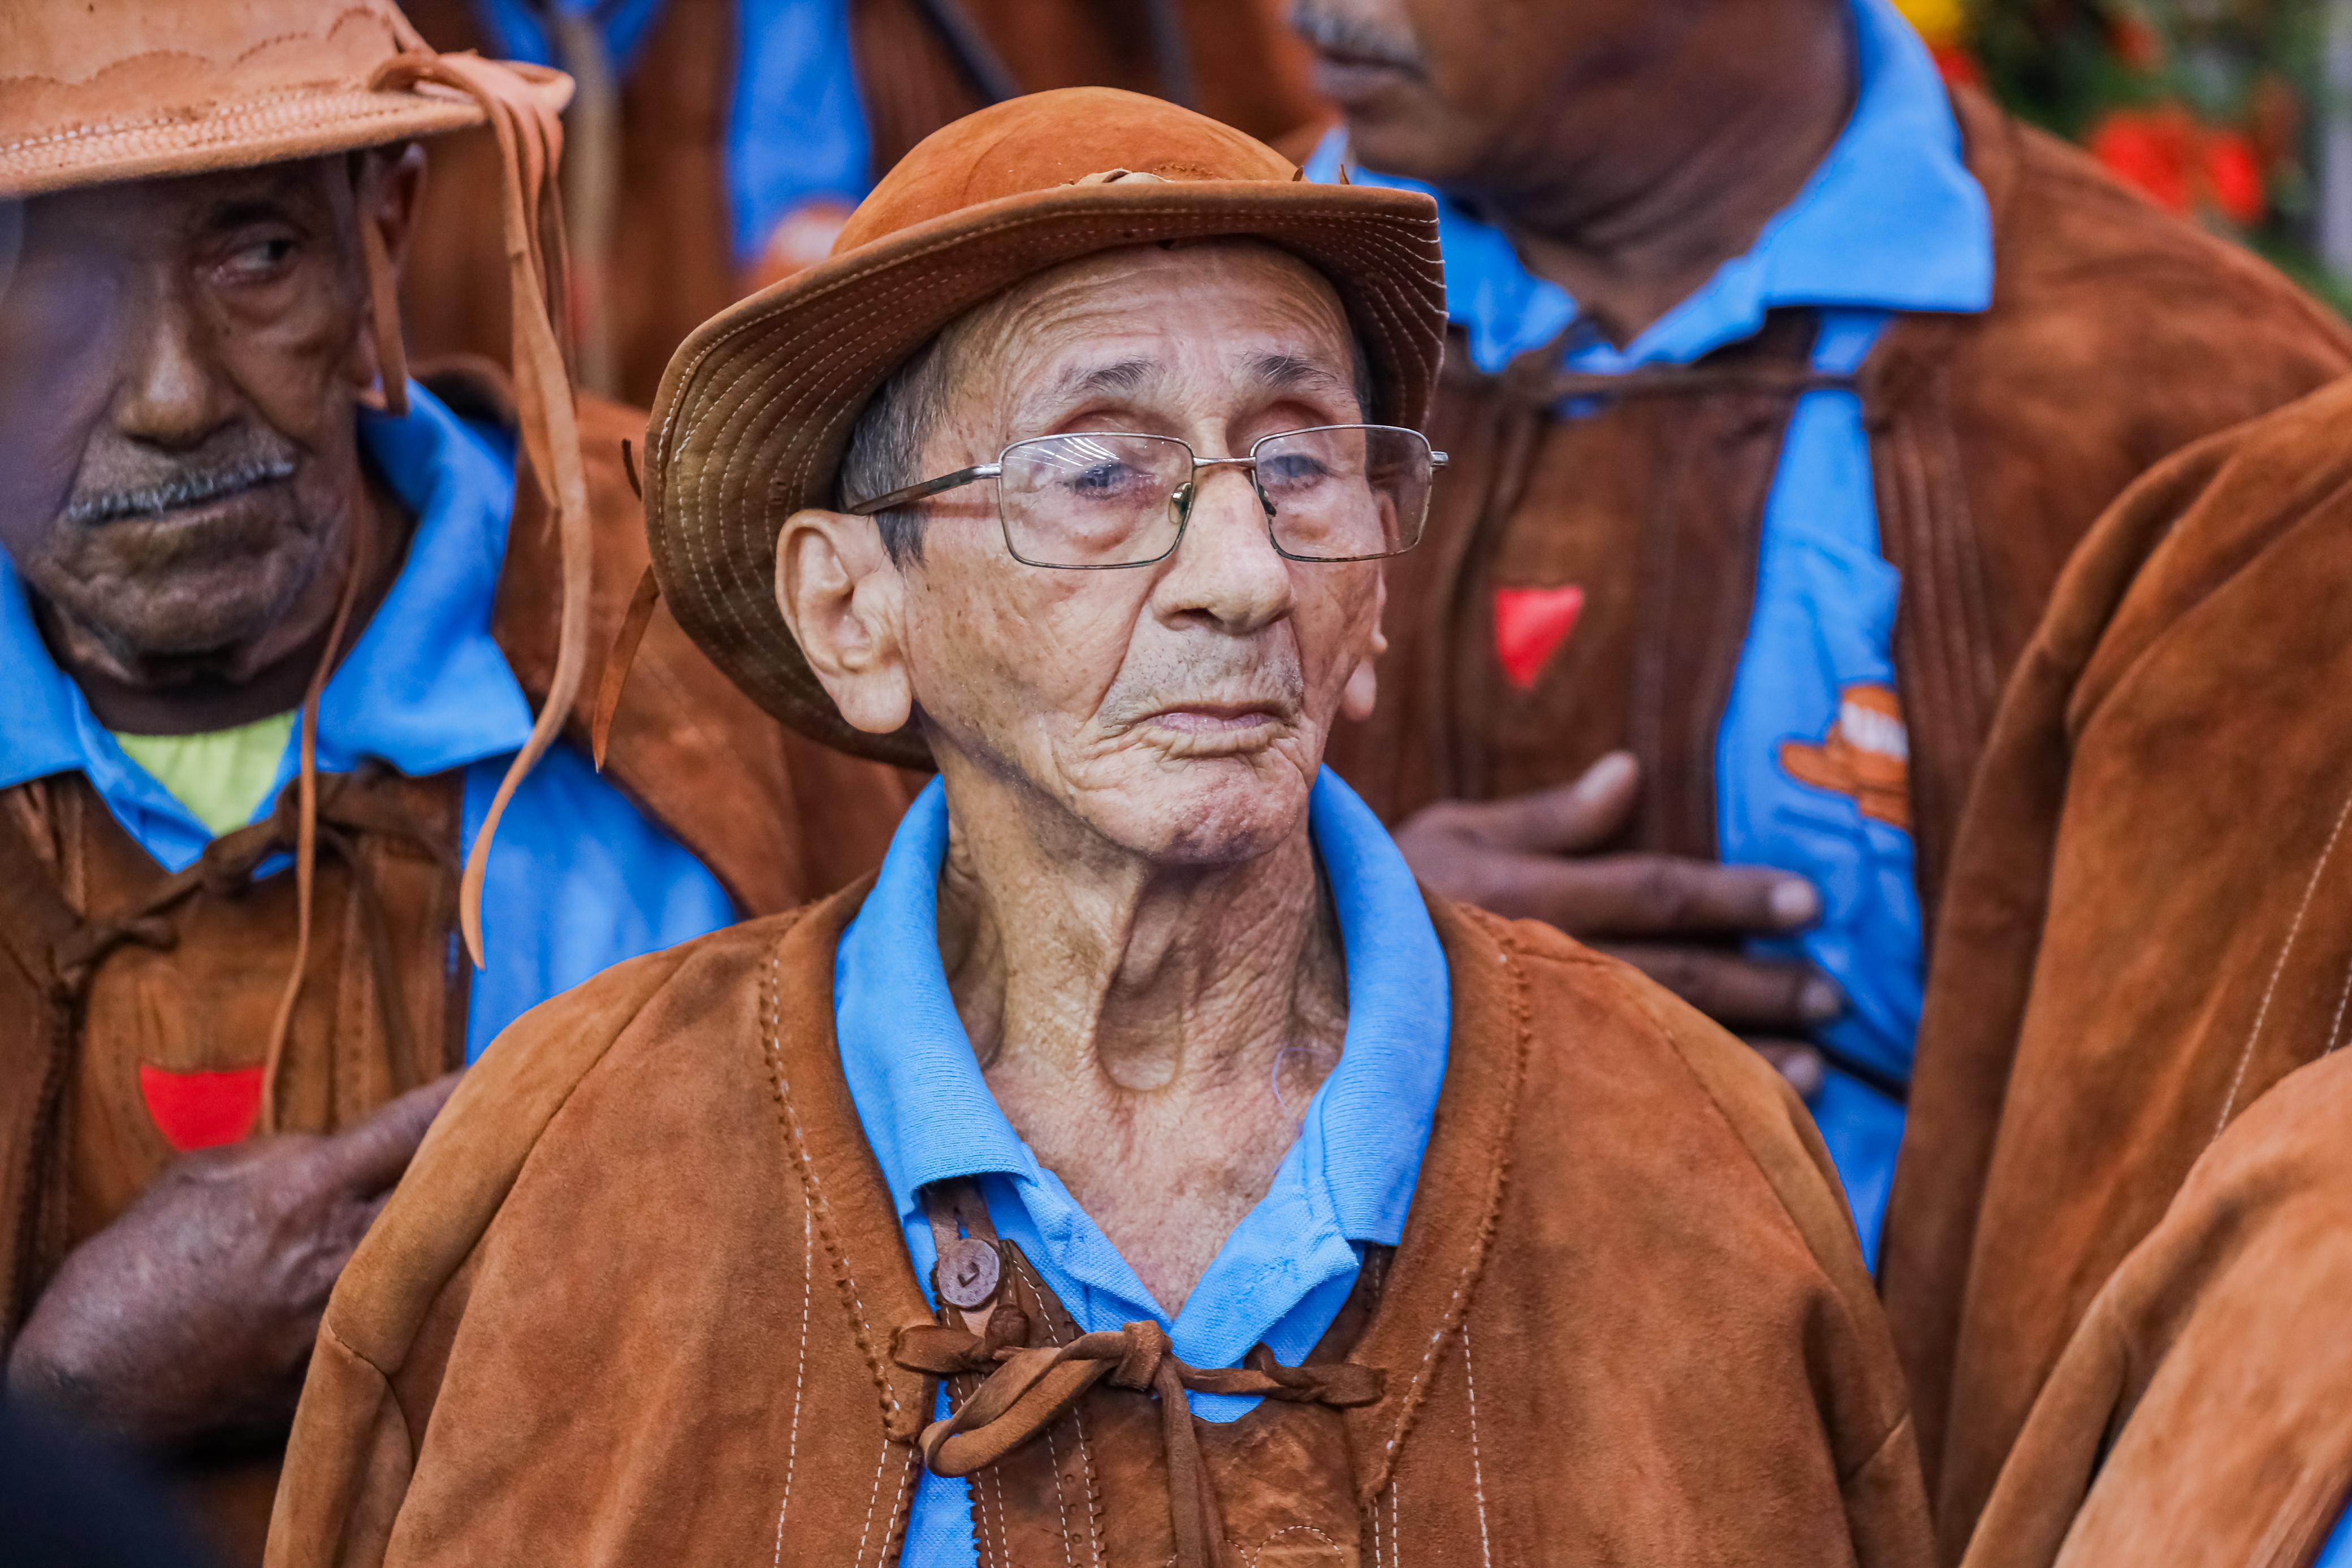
{"x": 1866, "y": 756}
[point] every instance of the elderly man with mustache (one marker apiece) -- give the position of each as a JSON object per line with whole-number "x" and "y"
{"x": 274, "y": 619}
{"x": 1142, "y": 1170}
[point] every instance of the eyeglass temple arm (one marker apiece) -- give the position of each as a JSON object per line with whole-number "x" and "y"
{"x": 927, "y": 488}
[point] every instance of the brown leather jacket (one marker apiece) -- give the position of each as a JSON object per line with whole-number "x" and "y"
{"x": 2198, "y": 1414}
{"x": 2118, "y": 334}
{"x": 132, "y": 1001}
{"x": 1623, "y": 1215}
{"x": 673, "y": 262}
{"x": 2151, "y": 915}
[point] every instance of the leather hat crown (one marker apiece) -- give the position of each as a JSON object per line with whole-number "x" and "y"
{"x": 756, "y": 405}
{"x": 100, "y": 90}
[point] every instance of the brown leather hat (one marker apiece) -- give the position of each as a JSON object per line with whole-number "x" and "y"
{"x": 756, "y": 405}
{"x": 98, "y": 90}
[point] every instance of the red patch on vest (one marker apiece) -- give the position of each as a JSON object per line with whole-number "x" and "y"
{"x": 202, "y": 1109}
{"x": 1530, "y": 623}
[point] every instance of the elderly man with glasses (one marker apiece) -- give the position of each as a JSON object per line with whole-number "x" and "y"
{"x": 1141, "y": 1169}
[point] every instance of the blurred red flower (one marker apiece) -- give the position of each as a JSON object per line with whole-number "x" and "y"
{"x": 2150, "y": 147}
{"x": 2181, "y": 165}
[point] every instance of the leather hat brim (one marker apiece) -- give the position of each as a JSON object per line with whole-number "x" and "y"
{"x": 756, "y": 407}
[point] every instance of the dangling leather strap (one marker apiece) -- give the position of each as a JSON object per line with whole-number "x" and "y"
{"x": 1027, "y": 1390}
{"x": 530, "y": 145}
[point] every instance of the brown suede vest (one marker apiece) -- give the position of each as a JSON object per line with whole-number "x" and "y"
{"x": 1626, "y": 1322}
{"x": 1650, "y": 500}
{"x": 140, "y": 1003}
{"x": 2116, "y": 335}
{"x": 1100, "y": 1473}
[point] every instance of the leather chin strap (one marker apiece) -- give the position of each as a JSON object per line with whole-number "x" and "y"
{"x": 530, "y": 146}
{"x": 1028, "y": 1389}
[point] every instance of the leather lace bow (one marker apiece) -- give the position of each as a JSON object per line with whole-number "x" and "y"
{"x": 1028, "y": 1389}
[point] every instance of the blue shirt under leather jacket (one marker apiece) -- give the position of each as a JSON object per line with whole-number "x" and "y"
{"x": 1891, "y": 221}
{"x": 1284, "y": 1273}
{"x": 578, "y": 879}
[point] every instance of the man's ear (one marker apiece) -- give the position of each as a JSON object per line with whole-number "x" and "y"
{"x": 1364, "y": 687}
{"x": 390, "y": 201}
{"x": 845, "y": 599}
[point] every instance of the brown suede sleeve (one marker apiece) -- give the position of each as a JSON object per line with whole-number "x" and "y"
{"x": 2198, "y": 1416}
{"x": 2147, "y": 925}
{"x": 375, "y": 1375}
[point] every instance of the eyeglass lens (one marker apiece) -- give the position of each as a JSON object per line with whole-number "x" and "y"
{"x": 1344, "y": 492}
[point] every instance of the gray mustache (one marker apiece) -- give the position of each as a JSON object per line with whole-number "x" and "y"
{"x": 1350, "y": 40}
{"x": 188, "y": 487}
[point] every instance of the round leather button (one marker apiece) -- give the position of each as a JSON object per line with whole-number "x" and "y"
{"x": 968, "y": 1272}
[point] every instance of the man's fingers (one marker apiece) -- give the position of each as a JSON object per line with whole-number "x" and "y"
{"x": 1646, "y": 896}
{"x": 1570, "y": 819}
{"x": 1738, "y": 993}
{"x": 1800, "y": 1065}
{"x": 369, "y": 1157}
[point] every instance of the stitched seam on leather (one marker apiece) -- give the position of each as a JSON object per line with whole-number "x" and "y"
{"x": 1477, "y": 1474}
{"x": 1417, "y": 1392}
{"x": 1003, "y": 1517}
{"x": 873, "y": 1499}
{"x": 1085, "y": 1457}
{"x": 2336, "y": 1028}
{"x": 893, "y": 1538}
{"x": 1061, "y": 1503}
{"x": 315, "y": 35}
{"x": 2278, "y": 970}
{"x": 813, "y": 1190}
{"x": 799, "y": 1370}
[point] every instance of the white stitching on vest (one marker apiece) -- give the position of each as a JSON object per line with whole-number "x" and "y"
{"x": 2263, "y": 1013}
{"x": 800, "y": 1371}
{"x": 1478, "y": 1477}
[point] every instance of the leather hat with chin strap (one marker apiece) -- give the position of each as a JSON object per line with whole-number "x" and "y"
{"x": 95, "y": 92}
{"x": 758, "y": 403}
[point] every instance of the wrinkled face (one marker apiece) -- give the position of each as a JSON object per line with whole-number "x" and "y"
{"x": 1178, "y": 710}
{"x": 1462, "y": 93}
{"x": 179, "y": 361}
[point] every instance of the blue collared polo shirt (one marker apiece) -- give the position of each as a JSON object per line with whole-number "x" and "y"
{"x": 1891, "y": 220}
{"x": 1288, "y": 1267}
{"x": 578, "y": 880}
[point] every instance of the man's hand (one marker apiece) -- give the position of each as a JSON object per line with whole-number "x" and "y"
{"x": 1537, "y": 856}
{"x": 191, "y": 1318}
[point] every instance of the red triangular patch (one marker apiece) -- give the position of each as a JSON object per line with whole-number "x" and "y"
{"x": 1530, "y": 623}
{"x": 202, "y": 1109}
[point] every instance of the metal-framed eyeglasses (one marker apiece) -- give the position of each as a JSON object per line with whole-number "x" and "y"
{"x": 1092, "y": 500}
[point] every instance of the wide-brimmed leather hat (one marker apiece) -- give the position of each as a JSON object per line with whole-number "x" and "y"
{"x": 98, "y": 90}
{"x": 756, "y": 405}
{"x": 94, "y": 92}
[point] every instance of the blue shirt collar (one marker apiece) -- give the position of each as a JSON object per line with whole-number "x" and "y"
{"x": 928, "y": 1115}
{"x": 1891, "y": 220}
{"x": 425, "y": 688}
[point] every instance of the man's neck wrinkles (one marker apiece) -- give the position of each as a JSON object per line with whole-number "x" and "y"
{"x": 1128, "y": 977}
